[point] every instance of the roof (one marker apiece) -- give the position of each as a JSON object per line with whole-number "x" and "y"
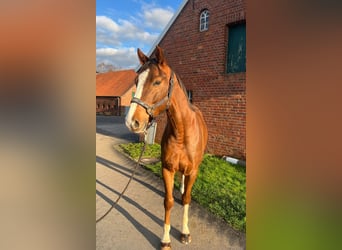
{"x": 114, "y": 83}
{"x": 166, "y": 29}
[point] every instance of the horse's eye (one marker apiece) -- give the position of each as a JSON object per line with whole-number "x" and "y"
{"x": 156, "y": 83}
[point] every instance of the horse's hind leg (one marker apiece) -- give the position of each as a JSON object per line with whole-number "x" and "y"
{"x": 168, "y": 204}
{"x": 186, "y": 199}
{"x": 181, "y": 188}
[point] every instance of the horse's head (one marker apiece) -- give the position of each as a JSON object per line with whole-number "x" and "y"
{"x": 154, "y": 88}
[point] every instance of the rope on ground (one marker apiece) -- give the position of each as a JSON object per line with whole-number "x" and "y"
{"x": 129, "y": 181}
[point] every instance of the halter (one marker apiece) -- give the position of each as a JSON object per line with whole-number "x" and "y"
{"x": 150, "y": 108}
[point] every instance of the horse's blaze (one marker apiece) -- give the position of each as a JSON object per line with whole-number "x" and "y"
{"x": 133, "y": 121}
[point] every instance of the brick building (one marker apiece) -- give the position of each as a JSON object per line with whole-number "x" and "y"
{"x": 205, "y": 44}
{"x": 114, "y": 91}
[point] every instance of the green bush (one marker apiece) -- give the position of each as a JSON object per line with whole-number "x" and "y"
{"x": 220, "y": 186}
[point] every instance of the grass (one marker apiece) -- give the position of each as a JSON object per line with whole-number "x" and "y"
{"x": 220, "y": 186}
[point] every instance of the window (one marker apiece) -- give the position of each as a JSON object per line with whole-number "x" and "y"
{"x": 204, "y": 20}
{"x": 236, "y": 55}
{"x": 189, "y": 94}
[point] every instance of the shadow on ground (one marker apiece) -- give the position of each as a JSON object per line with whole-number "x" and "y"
{"x": 114, "y": 126}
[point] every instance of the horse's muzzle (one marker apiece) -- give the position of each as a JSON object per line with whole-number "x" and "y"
{"x": 136, "y": 127}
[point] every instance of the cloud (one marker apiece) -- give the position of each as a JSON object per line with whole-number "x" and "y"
{"x": 117, "y": 40}
{"x": 112, "y": 33}
{"x": 107, "y": 24}
{"x": 157, "y": 18}
{"x": 119, "y": 57}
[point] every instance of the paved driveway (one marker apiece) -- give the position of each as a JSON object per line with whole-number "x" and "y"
{"x": 136, "y": 222}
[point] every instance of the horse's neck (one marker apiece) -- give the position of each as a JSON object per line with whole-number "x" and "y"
{"x": 179, "y": 113}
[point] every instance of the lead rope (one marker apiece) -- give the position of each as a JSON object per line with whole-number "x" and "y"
{"x": 129, "y": 181}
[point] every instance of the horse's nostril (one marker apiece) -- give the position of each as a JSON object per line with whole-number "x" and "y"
{"x": 135, "y": 124}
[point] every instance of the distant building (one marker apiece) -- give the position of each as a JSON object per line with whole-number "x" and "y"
{"x": 205, "y": 44}
{"x": 114, "y": 92}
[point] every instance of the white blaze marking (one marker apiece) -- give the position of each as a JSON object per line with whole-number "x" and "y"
{"x": 140, "y": 86}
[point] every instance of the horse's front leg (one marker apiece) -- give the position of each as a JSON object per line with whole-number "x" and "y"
{"x": 186, "y": 199}
{"x": 168, "y": 178}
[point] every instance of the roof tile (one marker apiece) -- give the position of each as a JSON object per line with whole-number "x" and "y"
{"x": 114, "y": 83}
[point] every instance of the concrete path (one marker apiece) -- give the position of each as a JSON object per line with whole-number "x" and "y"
{"x": 136, "y": 222}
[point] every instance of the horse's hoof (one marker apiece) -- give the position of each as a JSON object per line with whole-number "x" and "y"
{"x": 185, "y": 238}
{"x": 165, "y": 246}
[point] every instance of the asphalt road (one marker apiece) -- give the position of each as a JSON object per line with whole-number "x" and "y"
{"x": 136, "y": 222}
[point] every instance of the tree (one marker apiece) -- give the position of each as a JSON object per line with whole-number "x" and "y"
{"x": 103, "y": 67}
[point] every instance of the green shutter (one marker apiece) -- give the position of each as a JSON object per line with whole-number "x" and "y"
{"x": 236, "y": 59}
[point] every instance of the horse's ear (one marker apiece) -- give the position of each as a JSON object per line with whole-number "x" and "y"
{"x": 142, "y": 57}
{"x": 160, "y": 55}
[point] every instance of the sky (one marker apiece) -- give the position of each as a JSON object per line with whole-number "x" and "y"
{"x": 122, "y": 26}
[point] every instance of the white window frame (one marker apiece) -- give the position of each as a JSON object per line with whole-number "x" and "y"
{"x": 204, "y": 20}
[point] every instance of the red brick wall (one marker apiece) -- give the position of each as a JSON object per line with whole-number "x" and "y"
{"x": 199, "y": 58}
{"x": 126, "y": 100}
{"x": 127, "y": 97}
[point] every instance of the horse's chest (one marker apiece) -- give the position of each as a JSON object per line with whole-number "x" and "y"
{"x": 177, "y": 159}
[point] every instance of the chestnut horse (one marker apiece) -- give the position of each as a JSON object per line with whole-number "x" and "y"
{"x": 185, "y": 136}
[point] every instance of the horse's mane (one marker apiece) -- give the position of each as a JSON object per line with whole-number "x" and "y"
{"x": 147, "y": 64}
{"x": 184, "y": 90}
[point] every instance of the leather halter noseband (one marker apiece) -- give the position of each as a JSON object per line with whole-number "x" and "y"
{"x": 150, "y": 108}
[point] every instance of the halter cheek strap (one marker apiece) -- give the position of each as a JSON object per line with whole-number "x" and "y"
{"x": 150, "y": 108}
